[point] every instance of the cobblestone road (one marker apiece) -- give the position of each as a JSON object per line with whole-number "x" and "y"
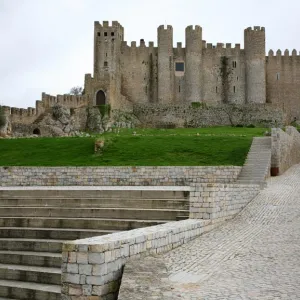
{"x": 254, "y": 256}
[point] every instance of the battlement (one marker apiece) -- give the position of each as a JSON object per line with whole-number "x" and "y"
{"x": 106, "y": 24}
{"x": 286, "y": 53}
{"x": 165, "y": 28}
{"x": 255, "y": 28}
{"x": 20, "y": 112}
{"x": 69, "y": 101}
{"x": 193, "y": 28}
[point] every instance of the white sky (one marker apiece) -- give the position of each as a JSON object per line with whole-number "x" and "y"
{"x": 47, "y": 45}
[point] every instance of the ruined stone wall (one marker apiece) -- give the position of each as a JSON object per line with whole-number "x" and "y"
{"x": 283, "y": 82}
{"x": 215, "y": 115}
{"x": 285, "y": 149}
{"x": 114, "y": 176}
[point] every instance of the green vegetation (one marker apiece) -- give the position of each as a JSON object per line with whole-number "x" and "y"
{"x": 135, "y": 147}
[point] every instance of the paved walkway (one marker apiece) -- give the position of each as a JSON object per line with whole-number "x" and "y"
{"x": 254, "y": 256}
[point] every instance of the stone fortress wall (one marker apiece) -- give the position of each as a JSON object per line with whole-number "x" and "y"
{"x": 141, "y": 76}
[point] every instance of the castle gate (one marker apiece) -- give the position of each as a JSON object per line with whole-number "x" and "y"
{"x": 100, "y": 98}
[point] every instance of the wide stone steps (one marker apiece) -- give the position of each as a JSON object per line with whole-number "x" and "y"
{"x": 51, "y": 233}
{"x": 36, "y": 274}
{"x": 34, "y": 223}
{"x": 36, "y": 245}
{"x": 94, "y": 202}
{"x": 95, "y": 212}
{"x": 29, "y": 291}
{"x": 31, "y": 258}
{"x": 78, "y": 223}
{"x": 258, "y": 162}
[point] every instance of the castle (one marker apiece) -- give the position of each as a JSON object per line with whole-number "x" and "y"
{"x": 125, "y": 75}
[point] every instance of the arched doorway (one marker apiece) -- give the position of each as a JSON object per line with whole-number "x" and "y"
{"x": 36, "y": 131}
{"x": 100, "y": 98}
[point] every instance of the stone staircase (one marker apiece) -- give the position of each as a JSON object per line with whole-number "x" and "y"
{"x": 258, "y": 162}
{"x": 35, "y": 223}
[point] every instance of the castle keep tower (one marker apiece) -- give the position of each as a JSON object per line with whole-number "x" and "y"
{"x": 193, "y": 62}
{"x": 107, "y": 74}
{"x": 165, "y": 64}
{"x": 255, "y": 61}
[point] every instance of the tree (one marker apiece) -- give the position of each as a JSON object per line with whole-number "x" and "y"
{"x": 2, "y": 117}
{"x": 77, "y": 90}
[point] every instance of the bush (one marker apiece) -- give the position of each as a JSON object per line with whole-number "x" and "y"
{"x": 250, "y": 126}
{"x": 104, "y": 110}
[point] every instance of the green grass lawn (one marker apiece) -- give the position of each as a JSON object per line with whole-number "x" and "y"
{"x": 149, "y": 147}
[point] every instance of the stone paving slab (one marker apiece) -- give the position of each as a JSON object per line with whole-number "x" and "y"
{"x": 254, "y": 256}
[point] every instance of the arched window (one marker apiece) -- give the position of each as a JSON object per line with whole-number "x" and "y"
{"x": 100, "y": 98}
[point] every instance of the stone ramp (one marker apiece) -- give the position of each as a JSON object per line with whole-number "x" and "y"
{"x": 254, "y": 256}
{"x": 257, "y": 165}
{"x": 35, "y": 222}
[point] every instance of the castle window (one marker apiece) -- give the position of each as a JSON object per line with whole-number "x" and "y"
{"x": 146, "y": 90}
{"x": 179, "y": 89}
{"x": 112, "y": 40}
{"x": 179, "y": 67}
{"x": 278, "y": 76}
{"x": 234, "y": 89}
{"x": 234, "y": 64}
{"x": 112, "y": 34}
{"x": 216, "y": 89}
{"x": 105, "y": 33}
{"x": 105, "y": 64}
{"x": 99, "y": 34}
{"x": 237, "y": 78}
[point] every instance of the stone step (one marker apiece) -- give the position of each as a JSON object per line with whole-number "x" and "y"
{"x": 30, "y": 274}
{"x": 29, "y": 291}
{"x": 50, "y": 233}
{"x": 78, "y": 223}
{"x": 94, "y": 202}
{"x": 27, "y": 258}
{"x": 95, "y": 212}
{"x": 36, "y": 245}
{"x": 96, "y": 194}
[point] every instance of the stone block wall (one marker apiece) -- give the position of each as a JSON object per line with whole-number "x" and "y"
{"x": 285, "y": 149}
{"x": 219, "y": 202}
{"x": 115, "y": 176}
{"x": 184, "y": 115}
{"x": 92, "y": 268}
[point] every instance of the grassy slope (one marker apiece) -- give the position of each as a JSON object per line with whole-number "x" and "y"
{"x": 150, "y": 147}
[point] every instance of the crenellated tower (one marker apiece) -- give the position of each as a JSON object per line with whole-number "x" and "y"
{"x": 107, "y": 49}
{"x": 255, "y": 61}
{"x": 165, "y": 64}
{"x": 193, "y": 63}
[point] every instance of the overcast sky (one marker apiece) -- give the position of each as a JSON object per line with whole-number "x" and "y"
{"x": 47, "y": 45}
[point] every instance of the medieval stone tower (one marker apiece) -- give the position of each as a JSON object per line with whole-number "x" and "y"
{"x": 200, "y": 72}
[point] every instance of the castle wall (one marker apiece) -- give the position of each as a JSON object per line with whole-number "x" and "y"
{"x": 139, "y": 72}
{"x": 283, "y": 82}
{"x": 223, "y": 74}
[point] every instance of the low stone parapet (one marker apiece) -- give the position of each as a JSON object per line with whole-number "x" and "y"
{"x": 219, "y": 202}
{"x": 92, "y": 268}
{"x": 115, "y": 176}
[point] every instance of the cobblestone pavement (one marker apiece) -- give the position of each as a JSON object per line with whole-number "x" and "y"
{"x": 254, "y": 256}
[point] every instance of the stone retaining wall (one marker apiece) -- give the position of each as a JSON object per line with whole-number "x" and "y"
{"x": 285, "y": 149}
{"x": 92, "y": 268}
{"x": 219, "y": 202}
{"x": 115, "y": 176}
